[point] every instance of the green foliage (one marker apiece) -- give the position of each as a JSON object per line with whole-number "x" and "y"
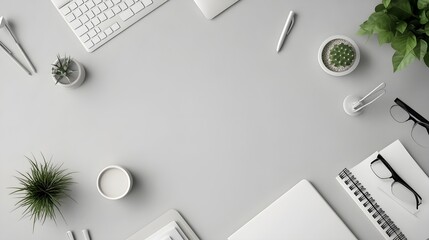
{"x": 405, "y": 25}
{"x": 61, "y": 69}
{"x": 341, "y": 55}
{"x": 41, "y": 190}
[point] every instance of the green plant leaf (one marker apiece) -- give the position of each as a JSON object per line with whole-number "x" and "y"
{"x": 426, "y": 59}
{"x": 423, "y": 19}
{"x": 401, "y": 9}
{"x": 421, "y": 49}
{"x": 401, "y": 26}
{"x": 421, "y": 4}
{"x": 405, "y": 42}
{"x": 379, "y": 8}
{"x": 427, "y": 29}
{"x": 385, "y": 37}
{"x": 386, "y": 3}
{"x": 365, "y": 28}
{"x": 400, "y": 60}
{"x": 380, "y": 22}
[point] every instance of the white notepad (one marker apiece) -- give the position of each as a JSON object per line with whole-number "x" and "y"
{"x": 405, "y": 223}
{"x": 301, "y": 213}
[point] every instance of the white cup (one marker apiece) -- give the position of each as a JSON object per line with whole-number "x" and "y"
{"x": 114, "y": 182}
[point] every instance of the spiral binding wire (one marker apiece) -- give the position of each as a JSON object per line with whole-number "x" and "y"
{"x": 382, "y": 219}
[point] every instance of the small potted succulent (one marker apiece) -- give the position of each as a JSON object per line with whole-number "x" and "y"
{"x": 338, "y": 55}
{"x": 68, "y": 72}
{"x": 41, "y": 190}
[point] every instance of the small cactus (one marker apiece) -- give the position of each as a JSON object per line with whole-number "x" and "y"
{"x": 341, "y": 55}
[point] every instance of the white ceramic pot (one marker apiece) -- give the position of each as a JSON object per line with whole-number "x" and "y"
{"x": 76, "y": 78}
{"x": 323, "y": 52}
{"x": 114, "y": 182}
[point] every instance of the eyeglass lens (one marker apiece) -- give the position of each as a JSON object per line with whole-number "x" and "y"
{"x": 419, "y": 133}
{"x": 403, "y": 193}
{"x": 380, "y": 170}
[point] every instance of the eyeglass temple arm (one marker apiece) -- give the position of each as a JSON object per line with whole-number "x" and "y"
{"x": 411, "y": 111}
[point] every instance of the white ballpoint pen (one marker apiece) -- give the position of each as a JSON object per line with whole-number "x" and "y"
{"x": 3, "y": 23}
{"x": 286, "y": 29}
{"x": 14, "y": 58}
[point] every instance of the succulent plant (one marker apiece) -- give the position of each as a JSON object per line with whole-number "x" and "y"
{"x": 61, "y": 69}
{"x": 341, "y": 55}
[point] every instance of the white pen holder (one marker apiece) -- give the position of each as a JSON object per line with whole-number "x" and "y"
{"x": 349, "y": 105}
{"x": 354, "y": 105}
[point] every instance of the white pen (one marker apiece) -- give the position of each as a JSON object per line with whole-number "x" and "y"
{"x": 70, "y": 235}
{"x": 86, "y": 234}
{"x": 14, "y": 58}
{"x": 286, "y": 29}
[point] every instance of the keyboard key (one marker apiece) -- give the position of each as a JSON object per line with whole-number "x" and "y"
{"x": 84, "y": 8}
{"x": 102, "y": 17}
{"x": 92, "y": 33}
{"x": 110, "y": 13}
{"x": 96, "y": 21}
{"x": 108, "y": 31}
{"x": 129, "y": 2}
{"x": 96, "y": 40}
{"x": 147, "y": 2}
{"x": 90, "y": 4}
{"x": 109, "y": 3}
{"x": 65, "y": 10}
{"x": 89, "y": 44}
{"x": 70, "y": 17}
{"x": 115, "y": 26}
{"x": 102, "y": 35}
{"x": 77, "y": 12}
{"x": 84, "y": 38}
{"x": 123, "y": 6}
{"x": 125, "y": 15}
{"x": 73, "y": 6}
{"x": 137, "y": 7}
{"x": 102, "y": 6}
{"x": 89, "y": 25}
{"x": 84, "y": 19}
{"x": 97, "y": 1}
{"x": 90, "y": 14}
{"x": 81, "y": 30}
{"x": 116, "y": 9}
{"x": 76, "y": 23}
{"x": 116, "y": 1}
{"x": 96, "y": 10}
{"x": 79, "y": 2}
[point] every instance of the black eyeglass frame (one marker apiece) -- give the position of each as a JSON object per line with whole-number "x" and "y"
{"x": 396, "y": 178}
{"x": 413, "y": 116}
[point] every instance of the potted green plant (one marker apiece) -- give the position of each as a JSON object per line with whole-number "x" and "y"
{"x": 68, "y": 72}
{"x": 338, "y": 55}
{"x": 41, "y": 190}
{"x": 405, "y": 25}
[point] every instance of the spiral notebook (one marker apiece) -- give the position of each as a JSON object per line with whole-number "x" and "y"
{"x": 393, "y": 218}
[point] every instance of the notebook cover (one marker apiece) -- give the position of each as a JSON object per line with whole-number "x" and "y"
{"x": 301, "y": 213}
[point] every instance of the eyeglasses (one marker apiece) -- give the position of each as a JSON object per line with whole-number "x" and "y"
{"x": 403, "y": 113}
{"x": 399, "y": 187}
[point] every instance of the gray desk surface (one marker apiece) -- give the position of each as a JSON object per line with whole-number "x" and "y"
{"x": 207, "y": 116}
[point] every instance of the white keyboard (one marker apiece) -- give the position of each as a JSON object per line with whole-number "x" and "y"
{"x": 95, "y": 22}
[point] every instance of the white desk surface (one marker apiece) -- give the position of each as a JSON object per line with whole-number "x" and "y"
{"x": 209, "y": 119}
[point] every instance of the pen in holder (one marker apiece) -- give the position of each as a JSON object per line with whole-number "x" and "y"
{"x": 353, "y": 105}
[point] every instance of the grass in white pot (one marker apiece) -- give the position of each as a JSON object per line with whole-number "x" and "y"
{"x": 41, "y": 190}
